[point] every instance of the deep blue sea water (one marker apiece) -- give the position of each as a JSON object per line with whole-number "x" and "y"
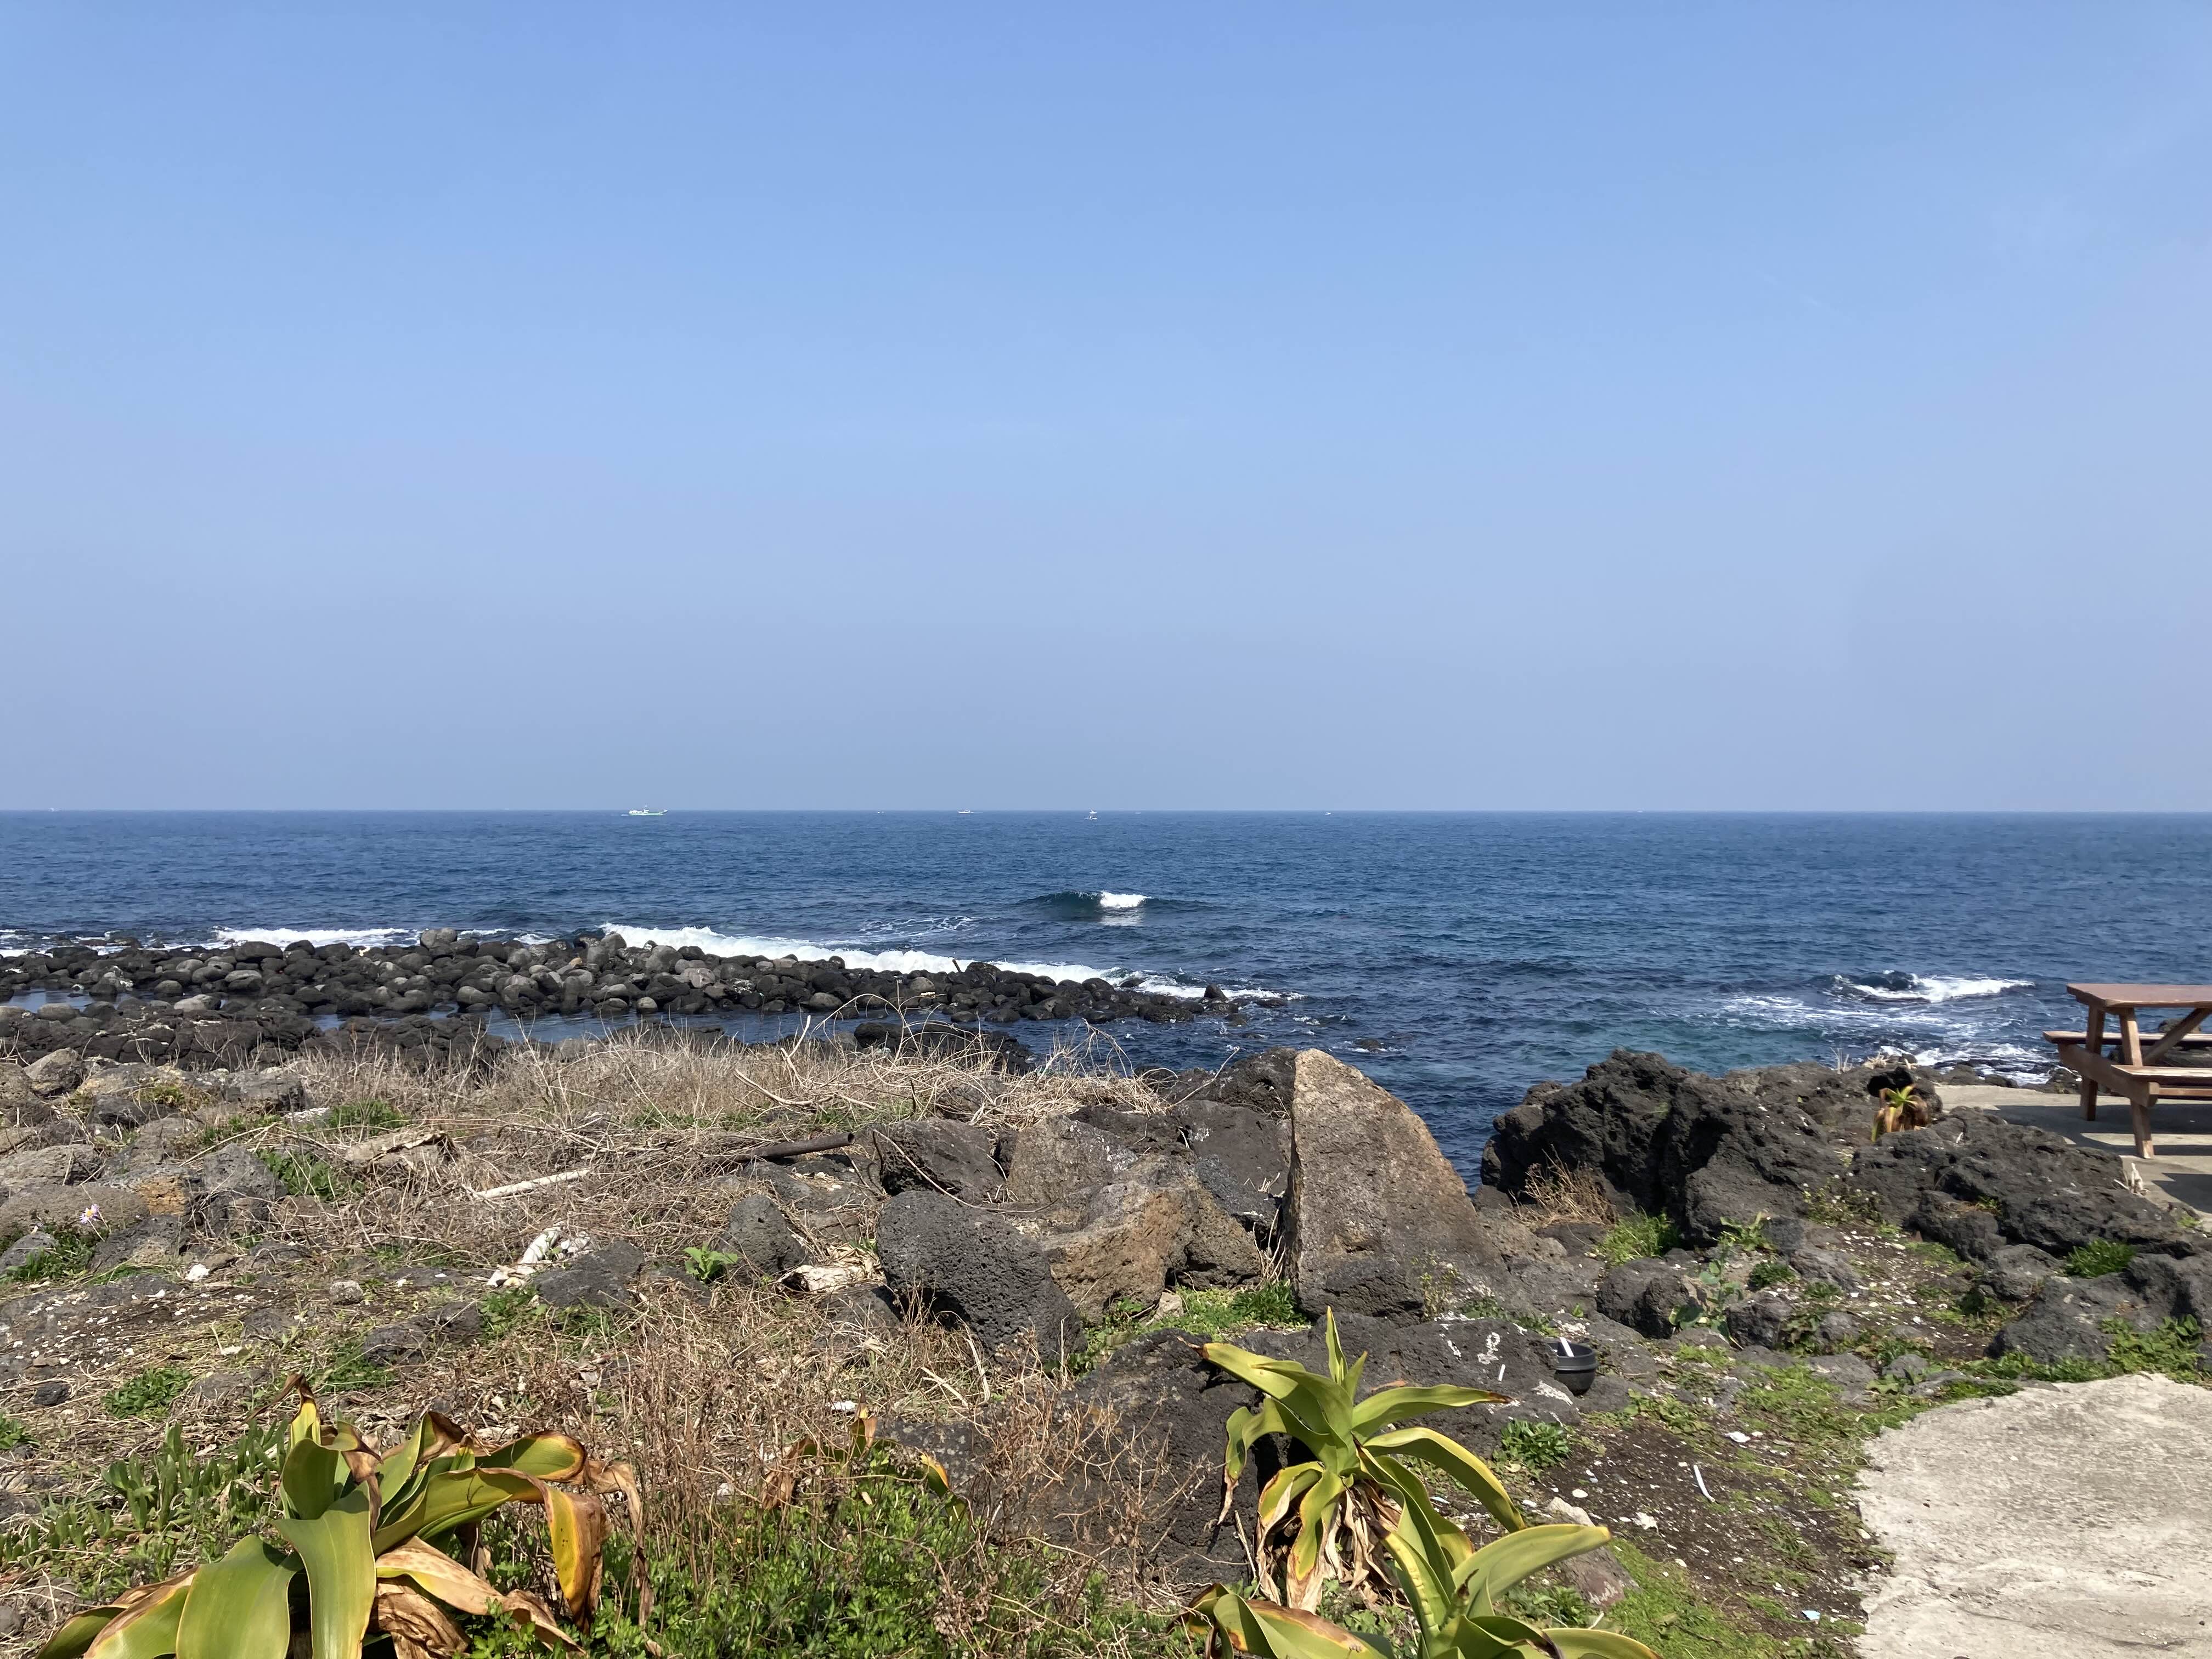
{"x": 1458, "y": 958}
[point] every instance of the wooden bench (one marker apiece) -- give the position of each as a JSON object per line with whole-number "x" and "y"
{"x": 2133, "y": 1071}
{"x": 2193, "y": 1040}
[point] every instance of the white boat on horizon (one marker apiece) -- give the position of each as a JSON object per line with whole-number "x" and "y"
{"x": 649, "y": 811}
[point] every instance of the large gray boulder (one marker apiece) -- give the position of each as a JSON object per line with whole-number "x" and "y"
{"x": 1138, "y": 1236}
{"x": 49, "y": 1166}
{"x": 1059, "y": 1163}
{"x": 757, "y": 1231}
{"x": 941, "y": 1154}
{"x": 1708, "y": 1152}
{"x": 1379, "y": 1221}
{"x": 1978, "y": 1183}
{"x": 600, "y": 1277}
{"x": 57, "y": 1073}
{"x": 2078, "y": 1318}
{"x": 1241, "y": 1155}
{"x": 1645, "y": 1296}
{"x": 974, "y": 1265}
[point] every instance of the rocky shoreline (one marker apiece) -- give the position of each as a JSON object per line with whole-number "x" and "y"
{"x": 1724, "y": 1245}
{"x": 224, "y": 1007}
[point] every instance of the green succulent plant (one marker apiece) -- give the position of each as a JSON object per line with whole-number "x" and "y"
{"x": 1346, "y": 1498}
{"x": 1901, "y": 1108}
{"x": 1453, "y": 1589}
{"x": 360, "y": 1534}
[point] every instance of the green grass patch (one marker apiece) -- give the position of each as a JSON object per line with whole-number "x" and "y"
{"x": 147, "y": 1394}
{"x": 1535, "y": 1447}
{"x": 1767, "y": 1274}
{"x": 306, "y": 1176}
{"x": 12, "y": 1433}
{"x": 169, "y": 1092}
{"x": 236, "y": 1126}
{"x": 2098, "y": 1257}
{"x": 1638, "y": 1237}
{"x": 347, "y": 1369}
{"x": 1208, "y": 1315}
{"x": 864, "y": 1562}
{"x": 2171, "y": 1349}
{"x": 367, "y": 1114}
{"x": 707, "y": 1265}
{"x": 150, "y": 1516}
{"x": 2174, "y": 1349}
{"x": 506, "y": 1308}
{"x": 70, "y": 1253}
{"x": 1667, "y": 1615}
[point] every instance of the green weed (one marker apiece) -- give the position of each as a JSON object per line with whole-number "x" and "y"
{"x": 12, "y": 1433}
{"x": 168, "y": 1091}
{"x": 1207, "y": 1316}
{"x": 1666, "y": 1614}
{"x": 1638, "y": 1237}
{"x": 708, "y": 1265}
{"x": 367, "y": 1114}
{"x": 147, "y": 1394}
{"x": 306, "y": 1176}
{"x": 2098, "y": 1257}
{"x": 504, "y": 1309}
{"x": 236, "y": 1126}
{"x": 347, "y": 1369}
{"x": 1767, "y": 1274}
{"x": 1535, "y": 1447}
{"x": 2172, "y": 1349}
{"x": 70, "y": 1253}
{"x": 150, "y": 1516}
{"x": 875, "y": 1564}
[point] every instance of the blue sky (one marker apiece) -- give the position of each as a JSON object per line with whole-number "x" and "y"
{"x": 1455, "y": 406}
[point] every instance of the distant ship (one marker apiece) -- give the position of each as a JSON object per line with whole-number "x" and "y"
{"x": 649, "y": 811}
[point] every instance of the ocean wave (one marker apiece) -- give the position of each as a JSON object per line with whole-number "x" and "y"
{"x": 359, "y": 938}
{"x": 716, "y": 944}
{"x": 1085, "y": 905}
{"x": 1915, "y": 987}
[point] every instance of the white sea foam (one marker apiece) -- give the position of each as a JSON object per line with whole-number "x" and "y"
{"x": 900, "y": 962}
{"x": 359, "y": 937}
{"x": 1934, "y": 988}
{"x": 1119, "y": 900}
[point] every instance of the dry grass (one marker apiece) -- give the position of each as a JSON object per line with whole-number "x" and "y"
{"x": 1555, "y": 1194}
{"x": 702, "y": 1389}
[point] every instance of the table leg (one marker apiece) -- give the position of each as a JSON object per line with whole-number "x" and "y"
{"x": 2092, "y": 1043}
{"x": 2130, "y": 1039}
{"x": 2175, "y": 1029}
{"x": 2139, "y": 1105}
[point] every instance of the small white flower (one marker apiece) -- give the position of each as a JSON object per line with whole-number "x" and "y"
{"x": 88, "y": 1216}
{"x": 196, "y": 1272}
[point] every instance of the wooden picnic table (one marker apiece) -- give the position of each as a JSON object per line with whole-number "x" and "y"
{"x": 2136, "y": 1070}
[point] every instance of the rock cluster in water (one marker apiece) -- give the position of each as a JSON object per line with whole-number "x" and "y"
{"x": 280, "y": 992}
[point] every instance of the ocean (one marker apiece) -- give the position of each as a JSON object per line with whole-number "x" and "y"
{"x": 1456, "y": 958}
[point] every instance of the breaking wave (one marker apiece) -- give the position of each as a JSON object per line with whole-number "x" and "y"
{"x": 901, "y": 962}
{"x": 1914, "y": 988}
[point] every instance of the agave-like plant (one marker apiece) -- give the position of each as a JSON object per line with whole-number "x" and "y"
{"x": 1453, "y": 1590}
{"x": 1900, "y": 1109}
{"x": 1347, "y": 1499}
{"x": 364, "y": 1528}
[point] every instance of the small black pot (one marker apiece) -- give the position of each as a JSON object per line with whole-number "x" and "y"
{"x": 1574, "y": 1363}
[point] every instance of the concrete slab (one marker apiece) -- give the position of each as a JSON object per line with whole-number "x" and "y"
{"x": 2074, "y": 1519}
{"x": 2180, "y": 1173}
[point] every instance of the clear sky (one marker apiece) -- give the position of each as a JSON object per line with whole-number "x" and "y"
{"x": 1462, "y": 405}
